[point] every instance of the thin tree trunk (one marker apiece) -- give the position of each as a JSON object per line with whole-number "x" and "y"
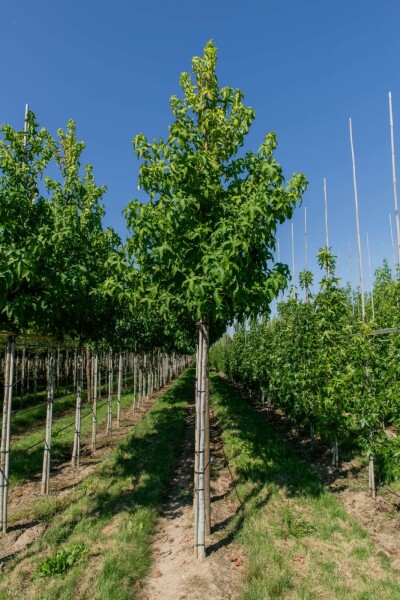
{"x": 110, "y": 392}
{"x": 200, "y": 515}
{"x": 88, "y": 376}
{"x": 5, "y": 433}
{"x": 371, "y": 476}
{"x": 94, "y": 406}
{"x": 49, "y": 421}
{"x": 77, "y": 436}
{"x": 119, "y": 390}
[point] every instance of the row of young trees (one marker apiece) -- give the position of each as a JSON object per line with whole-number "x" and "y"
{"x": 323, "y": 367}
{"x": 200, "y": 250}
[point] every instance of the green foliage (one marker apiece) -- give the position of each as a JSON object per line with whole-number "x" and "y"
{"x": 63, "y": 560}
{"x": 204, "y": 242}
{"x": 323, "y": 367}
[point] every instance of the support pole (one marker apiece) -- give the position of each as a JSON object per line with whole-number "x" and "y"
{"x": 396, "y": 209}
{"x": 49, "y": 422}
{"x": 358, "y": 225}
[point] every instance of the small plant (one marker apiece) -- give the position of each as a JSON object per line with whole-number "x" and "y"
{"x": 62, "y": 561}
{"x": 293, "y": 525}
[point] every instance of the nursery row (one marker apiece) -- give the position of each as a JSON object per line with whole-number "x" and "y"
{"x": 326, "y": 369}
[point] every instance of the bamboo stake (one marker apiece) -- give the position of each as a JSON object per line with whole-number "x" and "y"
{"x": 49, "y": 423}
{"x": 26, "y": 123}
{"x": 351, "y": 279}
{"x": 396, "y": 209}
{"x": 110, "y": 391}
{"x": 197, "y": 440}
{"x": 392, "y": 240}
{"x": 326, "y": 215}
{"x": 77, "y": 436}
{"x": 207, "y": 457}
{"x": 358, "y": 225}
{"x": 201, "y": 426}
{"x": 371, "y": 476}
{"x": 135, "y": 374}
{"x": 95, "y": 365}
{"x": 88, "y": 376}
{"x": 370, "y": 280}
{"x": 293, "y": 266}
{"x": 306, "y": 291}
{"x": 3, "y": 479}
{"x": 120, "y": 364}
{"x": 8, "y": 433}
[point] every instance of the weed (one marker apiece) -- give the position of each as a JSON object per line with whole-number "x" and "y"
{"x": 62, "y": 561}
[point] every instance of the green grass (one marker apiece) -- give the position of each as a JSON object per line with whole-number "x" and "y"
{"x": 113, "y": 513}
{"x": 300, "y": 542}
{"x": 26, "y": 462}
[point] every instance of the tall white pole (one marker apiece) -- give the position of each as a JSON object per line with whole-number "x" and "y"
{"x": 326, "y": 215}
{"x": 392, "y": 240}
{"x": 305, "y": 238}
{"x": 370, "y": 280}
{"x": 396, "y": 210}
{"x": 351, "y": 279}
{"x": 293, "y": 267}
{"x": 358, "y": 224}
{"x": 26, "y": 123}
{"x": 279, "y": 260}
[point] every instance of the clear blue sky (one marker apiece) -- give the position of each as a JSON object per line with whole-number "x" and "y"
{"x": 305, "y": 66}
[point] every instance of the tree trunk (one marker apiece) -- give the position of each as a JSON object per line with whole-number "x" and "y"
{"x": 95, "y": 363}
{"x": 88, "y": 376}
{"x": 120, "y": 366}
{"x": 201, "y": 441}
{"x": 49, "y": 420}
{"x": 110, "y": 392}
{"x": 6, "y": 433}
{"x": 76, "y": 452}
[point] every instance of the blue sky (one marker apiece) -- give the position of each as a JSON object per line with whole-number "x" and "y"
{"x": 304, "y": 66}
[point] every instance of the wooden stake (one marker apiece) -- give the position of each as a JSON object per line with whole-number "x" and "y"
{"x": 358, "y": 225}
{"x": 396, "y": 209}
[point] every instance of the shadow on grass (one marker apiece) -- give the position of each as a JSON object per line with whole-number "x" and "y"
{"x": 138, "y": 472}
{"x": 260, "y": 457}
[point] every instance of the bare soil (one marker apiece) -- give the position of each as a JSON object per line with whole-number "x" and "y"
{"x": 176, "y": 574}
{"x": 64, "y": 478}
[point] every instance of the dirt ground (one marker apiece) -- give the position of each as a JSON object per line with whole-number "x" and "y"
{"x": 63, "y": 479}
{"x": 176, "y": 575}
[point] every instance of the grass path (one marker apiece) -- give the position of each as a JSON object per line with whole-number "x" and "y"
{"x": 298, "y": 542}
{"x": 27, "y": 449}
{"x": 301, "y": 544}
{"x": 98, "y": 547}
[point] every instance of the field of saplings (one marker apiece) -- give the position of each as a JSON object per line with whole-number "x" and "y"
{"x": 145, "y": 452}
{"x": 317, "y": 361}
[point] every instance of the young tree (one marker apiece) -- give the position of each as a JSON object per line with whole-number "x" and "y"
{"x": 205, "y": 240}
